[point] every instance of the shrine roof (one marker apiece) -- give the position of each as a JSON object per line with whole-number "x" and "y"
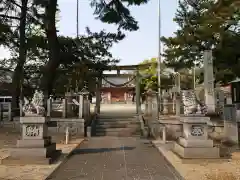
{"x": 130, "y": 67}
{"x": 123, "y": 67}
{"x": 118, "y": 75}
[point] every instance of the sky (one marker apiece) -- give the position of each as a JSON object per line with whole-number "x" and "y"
{"x": 137, "y": 46}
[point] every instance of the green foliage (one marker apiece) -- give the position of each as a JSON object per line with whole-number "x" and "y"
{"x": 207, "y": 25}
{"x": 116, "y": 12}
{"x": 80, "y": 60}
{"x": 150, "y": 77}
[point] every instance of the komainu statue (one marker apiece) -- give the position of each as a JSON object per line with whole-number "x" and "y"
{"x": 35, "y": 107}
{"x": 191, "y": 104}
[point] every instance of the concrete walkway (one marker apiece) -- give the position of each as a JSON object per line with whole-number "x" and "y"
{"x": 115, "y": 158}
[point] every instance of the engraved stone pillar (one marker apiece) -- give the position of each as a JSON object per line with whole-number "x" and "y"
{"x": 209, "y": 82}
{"x": 35, "y": 146}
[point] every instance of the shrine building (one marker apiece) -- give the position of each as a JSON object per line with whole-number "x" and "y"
{"x": 118, "y": 88}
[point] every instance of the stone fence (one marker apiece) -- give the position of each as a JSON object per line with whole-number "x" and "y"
{"x": 172, "y": 103}
{"x": 68, "y": 115}
{"x": 67, "y": 108}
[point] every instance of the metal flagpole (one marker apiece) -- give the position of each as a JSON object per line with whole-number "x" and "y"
{"x": 77, "y": 19}
{"x": 77, "y": 29}
{"x": 159, "y": 56}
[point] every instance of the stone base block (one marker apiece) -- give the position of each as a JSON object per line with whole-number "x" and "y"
{"x": 29, "y": 143}
{"x": 33, "y": 151}
{"x": 195, "y": 143}
{"x": 26, "y": 160}
{"x": 196, "y": 152}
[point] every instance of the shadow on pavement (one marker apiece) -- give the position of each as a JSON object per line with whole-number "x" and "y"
{"x": 101, "y": 150}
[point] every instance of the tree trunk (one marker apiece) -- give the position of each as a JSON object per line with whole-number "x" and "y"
{"x": 54, "y": 49}
{"x": 18, "y": 71}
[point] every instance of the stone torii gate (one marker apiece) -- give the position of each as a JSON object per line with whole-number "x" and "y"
{"x": 138, "y": 78}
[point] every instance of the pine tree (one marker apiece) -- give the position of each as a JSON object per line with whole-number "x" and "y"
{"x": 203, "y": 26}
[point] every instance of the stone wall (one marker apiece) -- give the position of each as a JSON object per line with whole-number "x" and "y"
{"x": 57, "y": 127}
{"x": 76, "y": 126}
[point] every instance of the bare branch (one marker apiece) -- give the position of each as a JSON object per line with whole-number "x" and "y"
{"x": 15, "y": 3}
{"x": 9, "y": 17}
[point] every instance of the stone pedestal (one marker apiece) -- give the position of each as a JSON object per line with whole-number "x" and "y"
{"x": 195, "y": 143}
{"x": 35, "y": 147}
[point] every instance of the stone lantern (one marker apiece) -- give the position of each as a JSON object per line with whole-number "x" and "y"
{"x": 84, "y": 102}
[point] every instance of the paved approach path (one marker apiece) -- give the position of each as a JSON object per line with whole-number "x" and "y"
{"x": 115, "y": 158}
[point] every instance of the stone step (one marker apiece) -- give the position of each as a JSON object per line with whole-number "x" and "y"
{"x": 118, "y": 134}
{"x": 100, "y": 129}
{"x": 115, "y": 125}
{"x": 117, "y": 117}
{"x": 118, "y": 120}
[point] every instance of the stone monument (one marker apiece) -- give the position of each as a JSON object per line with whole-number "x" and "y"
{"x": 35, "y": 146}
{"x": 194, "y": 143}
{"x": 209, "y": 92}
